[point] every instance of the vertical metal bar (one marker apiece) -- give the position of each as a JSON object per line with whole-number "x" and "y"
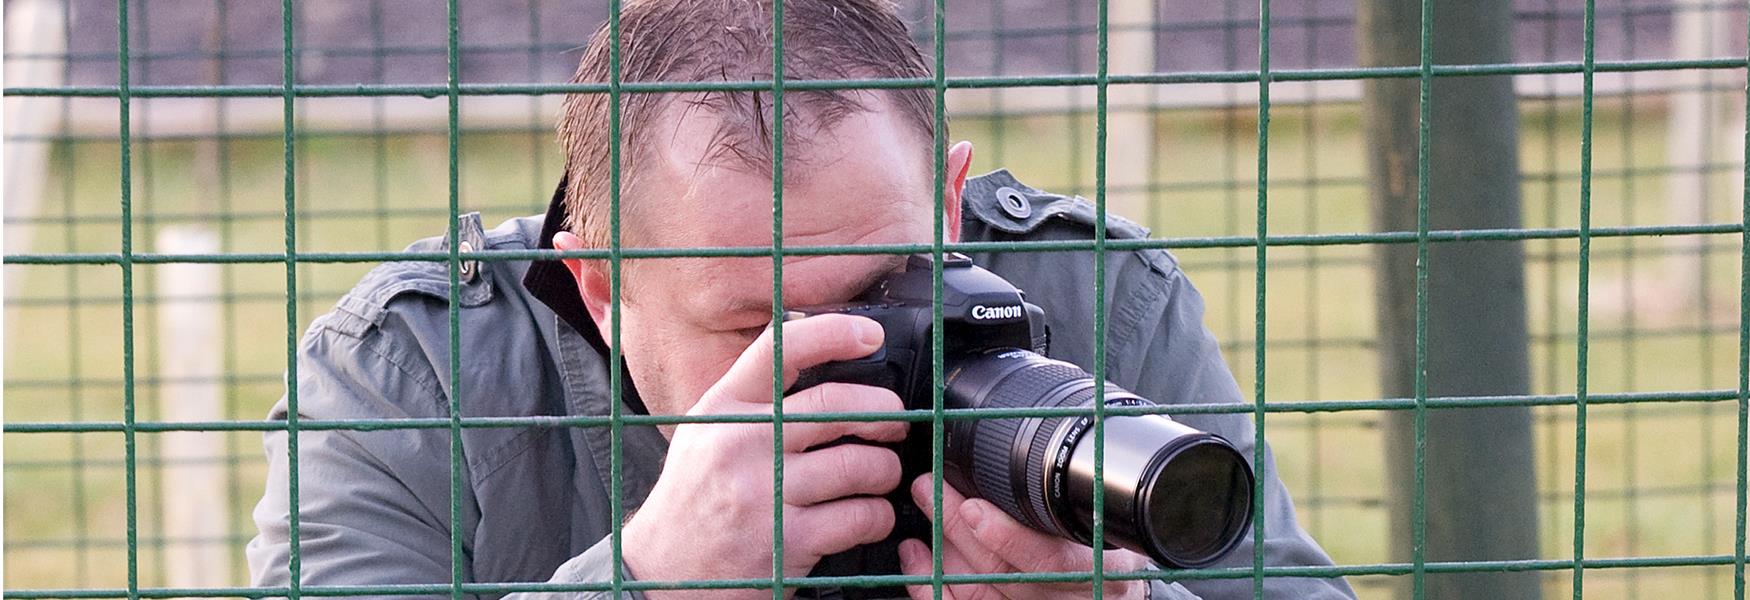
{"x": 939, "y": 162}
{"x": 1101, "y": 83}
{"x": 777, "y": 299}
{"x": 1259, "y": 330}
{"x": 616, "y": 360}
{"x": 1582, "y": 326}
{"x": 1743, "y": 366}
{"x": 295, "y": 562}
{"x": 123, "y": 94}
{"x": 1419, "y": 508}
{"x": 452, "y": 35}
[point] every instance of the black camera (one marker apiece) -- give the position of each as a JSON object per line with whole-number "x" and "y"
{"x": 1179, "y": 495}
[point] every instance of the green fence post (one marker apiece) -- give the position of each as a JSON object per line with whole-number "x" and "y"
{"x": 1463, "y": 481}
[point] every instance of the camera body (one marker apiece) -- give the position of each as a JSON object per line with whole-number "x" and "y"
{"x": 980, "y": 312}
{"x": 1179, "y": 495}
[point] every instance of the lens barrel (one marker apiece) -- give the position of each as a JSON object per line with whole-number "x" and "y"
{"x": 1179, "y": 495}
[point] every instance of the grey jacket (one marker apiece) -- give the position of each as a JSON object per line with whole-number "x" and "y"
{"x": 375, "y": 506}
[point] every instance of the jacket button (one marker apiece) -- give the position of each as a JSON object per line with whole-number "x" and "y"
{"x": 467, "y": 267}
{"x": 1013, "y": 203}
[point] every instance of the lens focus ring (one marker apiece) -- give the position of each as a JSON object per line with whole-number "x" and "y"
{"x": 998, "y": 443}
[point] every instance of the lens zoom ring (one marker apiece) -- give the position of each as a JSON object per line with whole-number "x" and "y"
{"x": 990, "y": 462}
{"x": 993, "y": 442}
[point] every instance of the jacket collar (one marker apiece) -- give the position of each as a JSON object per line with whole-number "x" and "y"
{"x": 549, "y": 282}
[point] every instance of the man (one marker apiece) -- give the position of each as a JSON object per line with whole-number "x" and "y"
{"x": 375, "y": 506}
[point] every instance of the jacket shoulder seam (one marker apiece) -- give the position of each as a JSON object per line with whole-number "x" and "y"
{"x": 374, "y": 343}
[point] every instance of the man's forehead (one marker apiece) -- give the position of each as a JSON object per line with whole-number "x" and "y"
{"x": 854, "y": 175}
{"x": 694, "y": 130}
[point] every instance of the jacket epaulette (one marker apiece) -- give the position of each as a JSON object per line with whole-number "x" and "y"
{"x": 999, "y": 200}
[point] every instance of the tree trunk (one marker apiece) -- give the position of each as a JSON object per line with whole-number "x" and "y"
{"x": 1481, "y": 501}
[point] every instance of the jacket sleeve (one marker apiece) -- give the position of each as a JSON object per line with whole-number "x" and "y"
{"x": 1180, "y": 363}
{"x": 595, "y": 565}
{"x": 373, "y": 506}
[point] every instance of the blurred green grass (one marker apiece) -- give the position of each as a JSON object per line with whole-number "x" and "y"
{"x": 1660, "y": 477}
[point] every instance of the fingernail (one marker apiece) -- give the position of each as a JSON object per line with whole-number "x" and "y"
{"x": 868, "y": 332}
{"x": 973, "y": 513}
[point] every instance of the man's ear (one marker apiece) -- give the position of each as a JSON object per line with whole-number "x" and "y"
{"x": 958, "y": 162}
{"x": 592, "y": 282}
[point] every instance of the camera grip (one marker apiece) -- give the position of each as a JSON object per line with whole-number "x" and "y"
{"x": 869, "y": 370}
{"x": 880, "y": 558}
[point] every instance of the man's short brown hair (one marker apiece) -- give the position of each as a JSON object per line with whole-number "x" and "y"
{"x": 731, "y": 40}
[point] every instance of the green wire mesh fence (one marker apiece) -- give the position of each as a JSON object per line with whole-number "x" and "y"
{"x": 287, "y": 146}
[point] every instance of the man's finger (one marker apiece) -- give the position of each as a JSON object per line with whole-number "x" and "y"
{"x": 1021, "y": 546}
{"x": 915, "y": 560}
{"x": 808, "y": 342}
{"x": 836, "y": 526}
{"x": 835, "y": 472}
{"x": 841, "y": 397}
{"x": 955, "y": 529}
{"x": 959, "y": 530}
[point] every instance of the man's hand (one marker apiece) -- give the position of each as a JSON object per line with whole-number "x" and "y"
{"x": 709, "y": 515}
{"x": 978, "y": 537}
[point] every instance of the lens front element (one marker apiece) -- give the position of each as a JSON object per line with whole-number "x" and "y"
{"x": 1197, "y": 502}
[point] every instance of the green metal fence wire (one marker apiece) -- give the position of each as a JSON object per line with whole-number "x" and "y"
{"x": 529, "y": 89}
{"x": 1585, "y": 297}
{"x": 1583, "y": 401}
{"x": 1259, "y": 331}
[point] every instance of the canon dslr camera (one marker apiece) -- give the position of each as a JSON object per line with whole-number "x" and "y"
{"x": 1179, "y": 495}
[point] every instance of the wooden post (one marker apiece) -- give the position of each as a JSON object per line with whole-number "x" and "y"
{"x": 1693, "y": 140}
{"x": 1130, "y": 134}
{"x": 189, "y": 351}
{"x": 32, "y": 26}
{"x": 1480, "y": 498}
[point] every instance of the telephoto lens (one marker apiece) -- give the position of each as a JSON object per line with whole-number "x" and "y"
{"x": 1181, "y": 496}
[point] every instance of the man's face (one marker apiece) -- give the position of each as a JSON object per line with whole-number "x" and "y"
{"x": 684, "y": 321}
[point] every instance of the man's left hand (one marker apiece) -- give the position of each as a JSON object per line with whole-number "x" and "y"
{"x": 978, "y": 537}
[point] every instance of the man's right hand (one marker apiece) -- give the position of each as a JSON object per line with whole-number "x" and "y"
{"x": 709, "y": 515}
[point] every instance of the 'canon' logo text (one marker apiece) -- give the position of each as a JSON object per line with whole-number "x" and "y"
{"x": 990, "y": 313}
